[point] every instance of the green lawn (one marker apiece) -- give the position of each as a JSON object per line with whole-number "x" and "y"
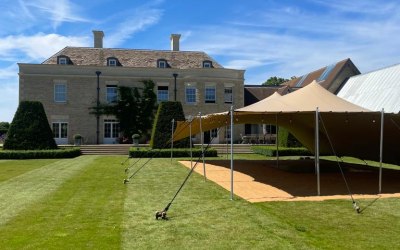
{"x": 82, "y": 203}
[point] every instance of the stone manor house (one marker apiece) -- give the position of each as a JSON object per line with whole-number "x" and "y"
{"x": 75, "y": 78}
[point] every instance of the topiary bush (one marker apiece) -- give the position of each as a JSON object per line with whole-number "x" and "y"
{"x": 161, "y": 134}
{"x": 30, "y": 129}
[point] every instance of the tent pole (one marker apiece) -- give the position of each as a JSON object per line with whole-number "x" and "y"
{"x": 232, "y": 153}
{"x": 381, "y": 152}
{"x": 317, "y": 150}
{"x": 202, "y": 148}
{"x": 190, "y": 141}
{"x": 172, "y": 137}
{"x": 277, "y": 141}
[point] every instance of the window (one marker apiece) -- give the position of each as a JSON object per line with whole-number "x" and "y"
{"x": 112, "y": 93}
{"x": 111, "y": 128}
{"x": 190, "y": 95}
{"x": 161, "y": 63}
{"x": 60, "y": 92}
{"x": 228, "y": 95}
{"x": 326, "y": 72}
{"x": 162, "y": 93}
{"x": 60, "y": 130}
{"x": 300, "y": 82}
{"x": 112, "y": 62}
{"x": 207, "y": 64}
{"x": 62, "y": 60}
{"x": 210, "y": 94}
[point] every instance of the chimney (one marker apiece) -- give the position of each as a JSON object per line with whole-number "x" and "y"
{"x": 98, "y": 38}
{"x": 175, "y": 42}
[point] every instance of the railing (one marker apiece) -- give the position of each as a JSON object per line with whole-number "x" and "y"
{"x": 259, "y": 139}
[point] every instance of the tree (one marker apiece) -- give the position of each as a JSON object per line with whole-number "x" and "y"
{"x": 161, "y": 134}
{"x": 134, "y": 109}
{"x": 30, "y": 128}
{"x": 275, "y": 81}
{"x": 4, "y": 126}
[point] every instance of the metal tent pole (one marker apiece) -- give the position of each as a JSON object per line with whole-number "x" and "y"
{"x": 277, "y": 141}
{"x": 190, "y": 133}
{"x": 317, "y": 149}
{"x": 381, "y": 151}
{"x": 231, "y": 152}
{"x": 202, "y": 148}
{"x": 172, "y": 137}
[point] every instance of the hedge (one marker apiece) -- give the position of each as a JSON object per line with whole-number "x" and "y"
{"x": 40, "y": 154}
{"x": 283, "y": 151}
{"x": 166, "y": 153}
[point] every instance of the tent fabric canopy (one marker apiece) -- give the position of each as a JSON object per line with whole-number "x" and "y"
{"x": 350, "y": 129}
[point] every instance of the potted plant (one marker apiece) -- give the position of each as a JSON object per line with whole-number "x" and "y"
{"x": 135, "y": 139}
{"x": 77, "y": 140}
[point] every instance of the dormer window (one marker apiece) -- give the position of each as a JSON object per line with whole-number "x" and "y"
{"x": 162, "y": 63}
{"x": 207, "y": 64}
{"x": 63, "y": 60}
{"x": 112, "y": 62}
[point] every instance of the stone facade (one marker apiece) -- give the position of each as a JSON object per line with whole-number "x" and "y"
{"x": 40, "y": 82}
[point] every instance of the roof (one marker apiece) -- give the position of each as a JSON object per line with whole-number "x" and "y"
{"x": 255, "y": 93}
{"x": 326, "y": 76}
{"x": 375, "y": 90}
{"x": 133, "y": 58}
{"x": 309, "y": 98}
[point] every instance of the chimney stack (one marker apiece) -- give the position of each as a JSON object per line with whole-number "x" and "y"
{"x": 98, "y": 38}
{"x": 175, "y": 42}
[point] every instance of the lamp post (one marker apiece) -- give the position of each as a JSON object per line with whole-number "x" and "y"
{"x": 175, "y": 75}
{"x": 98, "y": 73}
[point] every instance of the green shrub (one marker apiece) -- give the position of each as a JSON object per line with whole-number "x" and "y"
{"x": 30, "y": 129}
{"x": 283, "y": 151}
{"x": 166, "y": 153}
{"x": 40, "y": 154}
{"x": 161, "y": 134}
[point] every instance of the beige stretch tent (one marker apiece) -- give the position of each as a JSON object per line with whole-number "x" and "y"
{"x": 352, "y": 130}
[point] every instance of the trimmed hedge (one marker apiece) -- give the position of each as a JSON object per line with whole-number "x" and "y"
{"x": 283, "y": 151}
{"x": 161, "y": 133}
{"x": 166, "y": 153}
{"x": 40, "y": 154}
{"x": 30, "y": 129}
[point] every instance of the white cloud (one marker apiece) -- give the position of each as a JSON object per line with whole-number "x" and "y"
{"x": 39, "y": 46}
{"x": 57, "y": 11}
{"x": 138, "y": 20}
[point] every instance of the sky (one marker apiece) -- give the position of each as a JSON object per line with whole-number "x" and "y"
{"x": 267, "y": 38}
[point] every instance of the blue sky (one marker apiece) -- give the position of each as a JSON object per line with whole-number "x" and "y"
{"x": 265, "y": 37}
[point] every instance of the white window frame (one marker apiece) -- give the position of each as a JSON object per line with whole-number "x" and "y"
{"x": 58, "y": 93}
{"x": 62, "y": 60}
{"x": 162, "y": 64}
{"x": 58, "y": 134}
{"x": 111, "y": 98}
{"x": 187, "y": 96}
{"x": 228, "y": 97}
{"x": 161, "y": 93}
{"x": 112, "y": 62}
{"x": 207, "y": 98}
{"x": 207, "y": 64}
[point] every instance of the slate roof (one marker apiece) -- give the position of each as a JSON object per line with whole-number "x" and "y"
{"x": 133, "y": 58}
{"x": 255, "y": 93}
{"x": 326, "y": 76}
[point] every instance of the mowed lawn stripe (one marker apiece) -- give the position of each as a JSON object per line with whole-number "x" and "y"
{"x": 12, "y": 168}
{"x": 85, "y": 212}
{"x": 23, "y": 190}
{"x": 202, "y": 216}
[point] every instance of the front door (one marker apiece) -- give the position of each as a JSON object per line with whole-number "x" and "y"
{"x": 111, "y": 131}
